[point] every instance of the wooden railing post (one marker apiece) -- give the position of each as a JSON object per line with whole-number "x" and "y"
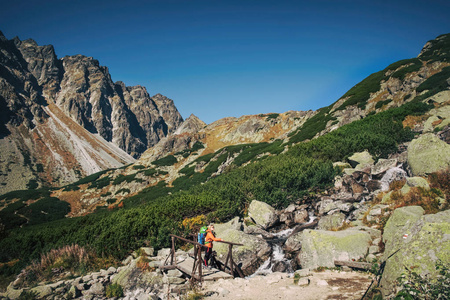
{"x": 173, "y": 252}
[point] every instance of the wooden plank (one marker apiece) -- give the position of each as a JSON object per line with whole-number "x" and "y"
{"x": 353, "y": 264}
{"x": 186, "y": 266}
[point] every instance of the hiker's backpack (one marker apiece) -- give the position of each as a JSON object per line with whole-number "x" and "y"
{"x": 202, "y": 235}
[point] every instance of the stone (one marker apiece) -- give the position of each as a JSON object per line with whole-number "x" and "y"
{"x": 149, "y": 251}
{"x": 391, "y": 175}
{"x": 293, "y": 242}
{"x": 174, "y": 273}
{"x": 263, "y": 214}
{"x": 255, "y": 230}
{"x": 303, "y": 273}
{"x": 383, "y": 165}
{"x": 96, "y": 289}
{"x": 361, "y": 160}
{"x": 420, "y": 242}
{"x": 373, "y": 185}
{"x": 42, "y": 291}
{"x": 232, "y": 224}
{"x": 331, "y": 221}
{"x": 165, "y": 252}
{"x": 304, "y": 281}
{"x": 415, "y": 182}
{"x": 254, "y": 252}
{"x": 73, "y": 292}
{"x": 401, "y": 217}
{"x": 357, "y": 188}
{"x": 321, "y": 248}
{"x": 428, "y": 154}
{"x": 301, "y": 216}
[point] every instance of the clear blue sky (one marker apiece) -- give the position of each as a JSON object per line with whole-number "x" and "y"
{"x": 234, "y": 57}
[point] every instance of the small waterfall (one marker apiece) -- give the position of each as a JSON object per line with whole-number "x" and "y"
{"x": 278, "y": 256}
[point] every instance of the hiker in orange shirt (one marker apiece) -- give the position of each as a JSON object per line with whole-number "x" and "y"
{"x": 210, "y": 237}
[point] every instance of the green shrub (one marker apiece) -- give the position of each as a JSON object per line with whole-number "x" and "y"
{"x": 272, "y": 116}
{"x": 165, "y": 161}
{"x": 114, "y": 290}
{"x": 138, "y": 167}
{"x": 436, "y": 83}
{"x": 380, "y": 104}
{"x": 415, "y": 286}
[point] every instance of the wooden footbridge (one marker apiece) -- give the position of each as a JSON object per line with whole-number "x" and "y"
{"x": 193, "y": 266}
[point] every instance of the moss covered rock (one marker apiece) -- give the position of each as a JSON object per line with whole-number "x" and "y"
{"x": 428, "y": 154}
{"x": 250, "y": 256}
{"x": 262, "y": 213}
{"x": 420, "y": 244}
{"x": 321, "y": 248}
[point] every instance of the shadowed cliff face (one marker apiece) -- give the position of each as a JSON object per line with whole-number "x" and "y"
{"x": 36, "y": 86}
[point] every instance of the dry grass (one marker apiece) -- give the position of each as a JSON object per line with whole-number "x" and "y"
{"x": 68, "y": 261}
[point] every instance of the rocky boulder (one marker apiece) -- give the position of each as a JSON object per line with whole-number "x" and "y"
{"x": 320, "y": 248}
{"x": 428, "y": 154}
{"x": 361, "y": 160}
{"x": 329, "y": 222}
{"x": 250, "y": 256}
{"x": 263, "y": 214}
{"x": 414, "y": 242}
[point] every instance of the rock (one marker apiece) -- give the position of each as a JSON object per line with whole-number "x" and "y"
{"x": 383, "y": 165}
{"x": 361, "y": 160}
{"x": 130, "y": 277}
{"x": 373, "y": 185}
{"x": 421, "y": 242}
{"x": 303, "y": 273}
{"x": 400, "y": 218}
{"x": 42, "y": 291}
{"x": 232, "y": 224}
{"x": 414, "y": 182}
{"x": 280, "y": 266}
{"x": 331, "y": 221}
{"x": 174, "y": 273}
{"x": 73, "y": 293}
{"x": 96, "y": 289}
{"x": 165, "y": 252}
{"x": 321, "y": 248}
{"x": 303, "y": 281}
{"x": 301, "y": 216}
{"x": 391, "y": 175}
{"x": 255, "y": 230}
{"x": 293, "y": 242}
{"x": 251, "y": 255}
{"x": 263, "y": 214}
{"x": 148, "y": 251}
{"x": 428, "y": 154}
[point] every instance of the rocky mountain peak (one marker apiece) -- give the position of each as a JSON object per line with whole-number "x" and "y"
{"x": 191, "y": 125}
{"x": 32, "y": 79}
{"x": 439, "y": 47}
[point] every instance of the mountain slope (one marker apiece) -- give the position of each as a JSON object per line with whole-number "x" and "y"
{"x": 197, "y": 152}
{"x": 43, "y": 98}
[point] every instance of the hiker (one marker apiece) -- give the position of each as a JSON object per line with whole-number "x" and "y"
{"x": 210, "y": 237}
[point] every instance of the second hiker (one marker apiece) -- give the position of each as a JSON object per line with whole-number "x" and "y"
{"x": 210, "y": 237}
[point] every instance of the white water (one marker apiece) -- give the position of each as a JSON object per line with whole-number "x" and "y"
{"x": 277, "y": 250}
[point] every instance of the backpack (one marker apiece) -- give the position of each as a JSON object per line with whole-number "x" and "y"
{"x": 202, "y": 235}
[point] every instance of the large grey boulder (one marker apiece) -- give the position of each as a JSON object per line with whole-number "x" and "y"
{"x": 250, "y": 256}
{"x": 130, "y": 277}
{"x": 402, "y": 217}
{"x": 329, "y": 222}
{"x": 428, "y": 154}
{"x": 263, "y": 214}
{"x": 418, "y": 245}
{"x": 361, "y": 160}
{"x": 320, "y": 248}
